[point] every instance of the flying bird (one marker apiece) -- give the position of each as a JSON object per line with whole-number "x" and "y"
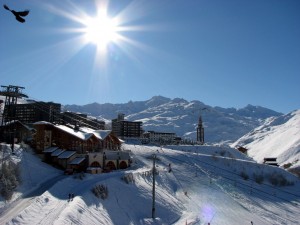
{"x": 19, "y": 15}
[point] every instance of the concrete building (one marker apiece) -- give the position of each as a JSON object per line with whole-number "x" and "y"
{"x": 159, "y": 137}
{"x": 32, "y": 112}
{"x": 126, "y": 129}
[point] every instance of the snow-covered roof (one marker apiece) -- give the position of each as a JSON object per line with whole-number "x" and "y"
{"x": 83, "y": 133}
{"x": 17, "y": 121}
{"x": 42, "y": 123}
{"x": 50, "y": 149}
{"x": 77, "y": 133}
{"x": 66, "y": 154}
{"x": 57, "y": 152}
{"x": 77, "y": 161}
{"x": 86, "y": 129}
{"x": 101, "y": 134}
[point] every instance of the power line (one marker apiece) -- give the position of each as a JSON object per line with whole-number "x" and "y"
{"x": 153, "y": 187}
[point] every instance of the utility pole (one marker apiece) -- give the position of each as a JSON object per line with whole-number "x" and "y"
{"x": 153, "y": 188}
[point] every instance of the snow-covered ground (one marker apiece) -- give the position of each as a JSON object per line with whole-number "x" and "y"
{"x": 278, "y": 137}
{"x": 193, "y": 185}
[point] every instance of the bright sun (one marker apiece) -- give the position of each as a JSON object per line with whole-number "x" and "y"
{"x": 101, "y": 30}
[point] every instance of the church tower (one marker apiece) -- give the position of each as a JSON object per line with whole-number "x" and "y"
{"x": 200, "y": 132}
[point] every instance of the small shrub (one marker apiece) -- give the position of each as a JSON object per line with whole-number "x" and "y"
{"x": 128, "y": 178}
{"x": 6, "y": 193}
{"x": 258, "y": 178}
{"x": 244, "y": 175}
{"x": 295, "y": 171}
{"x": 100, "y": 191}
{"x": 9, "y": 180}
{"x": 230, "y": 155}
{"x": 222, "y": 153}
{"x": 279, "y": 180}
{"x": 214, "y": 157}
{"x": 287, "y": 165}
{"x": 273, "y": 179}
{"x": 81, "y": 175}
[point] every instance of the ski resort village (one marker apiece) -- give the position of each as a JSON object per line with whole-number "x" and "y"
{"x": 156, "y": 162}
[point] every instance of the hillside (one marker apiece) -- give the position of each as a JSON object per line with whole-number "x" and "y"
{"x": 203, "y": 182}
{"x": 181, "y": 116}
{"x": 277, "y": 137}
{"x": 206, "y": 184}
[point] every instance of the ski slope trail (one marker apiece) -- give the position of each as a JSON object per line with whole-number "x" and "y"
{"x": 215, "y": 195}
{"x": 14, "y": 208}
{"x": 46, "y": 208}
{"x": 193, "y": 185}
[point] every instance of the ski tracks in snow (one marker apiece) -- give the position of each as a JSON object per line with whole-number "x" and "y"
{"x": 53, "y": 214}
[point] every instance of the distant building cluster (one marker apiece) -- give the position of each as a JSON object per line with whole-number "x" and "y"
{"x": 162, "y": 138}
{"x": 74, "y": 141}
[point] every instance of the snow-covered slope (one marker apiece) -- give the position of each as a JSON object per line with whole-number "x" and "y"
{"x": 277, "y": 137}
{"x": 206, "y": 184}
{"x": 181, "y": 116}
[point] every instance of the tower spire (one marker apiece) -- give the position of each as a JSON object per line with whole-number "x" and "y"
{"x": 200, "y": 131}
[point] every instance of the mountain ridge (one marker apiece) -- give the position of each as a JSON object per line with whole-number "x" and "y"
{"x": 181, "y": 116}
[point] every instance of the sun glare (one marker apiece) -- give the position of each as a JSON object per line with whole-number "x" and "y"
{"x": 101, "y": 30}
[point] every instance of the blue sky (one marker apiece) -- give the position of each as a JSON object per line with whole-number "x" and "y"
{"x": 224, "y": 53}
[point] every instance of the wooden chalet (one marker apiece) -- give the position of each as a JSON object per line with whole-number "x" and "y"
{"x": 67, "y": 160}
{"x": 80, "y": 140}
{"x": 79, "y": 149}
{"x": 48, "y": 154}
{"x": 78, "y": 164}
{"x": 66, "y": 157}
{"x": 56, "y": 154}
{"x": 17, "y": 130}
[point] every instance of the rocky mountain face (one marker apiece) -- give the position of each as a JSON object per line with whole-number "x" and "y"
{"x": 181, "y": 116}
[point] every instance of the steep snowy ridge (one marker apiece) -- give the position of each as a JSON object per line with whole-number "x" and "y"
{"x": 277, "y": 137}
{"x": 181, "y": 117}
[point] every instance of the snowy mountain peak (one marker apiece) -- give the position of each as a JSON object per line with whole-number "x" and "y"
{"x": 181, "y": 116}
{"x": 157, "y": 100}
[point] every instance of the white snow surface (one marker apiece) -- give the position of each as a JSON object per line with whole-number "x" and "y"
{"x": 204, "y": 186}
{"x": 278, "y": 137}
